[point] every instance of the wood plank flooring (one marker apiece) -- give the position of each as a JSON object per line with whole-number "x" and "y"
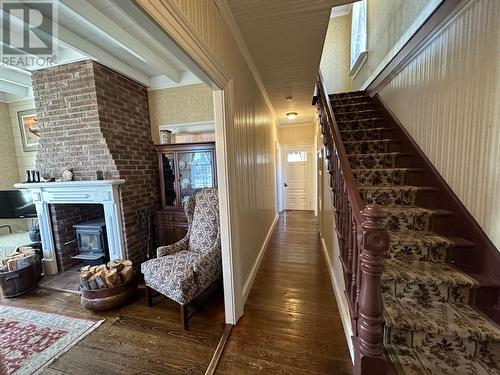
{"x": 291, "y": 323}
{"x": 135, "y": 339}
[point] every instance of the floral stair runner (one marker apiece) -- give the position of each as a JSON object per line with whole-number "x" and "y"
{"x": 430, "y": 325}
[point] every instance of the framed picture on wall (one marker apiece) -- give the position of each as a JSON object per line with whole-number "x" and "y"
{"x": 30, "y": 133}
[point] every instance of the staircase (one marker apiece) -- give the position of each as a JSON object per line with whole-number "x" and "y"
{"x": 432, "y": 325}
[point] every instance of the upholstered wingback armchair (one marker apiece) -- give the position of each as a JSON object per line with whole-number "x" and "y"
{"x": 183, "y": 270}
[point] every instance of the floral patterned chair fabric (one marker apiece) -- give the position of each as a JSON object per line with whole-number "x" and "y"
{"x": 184, "y": 269}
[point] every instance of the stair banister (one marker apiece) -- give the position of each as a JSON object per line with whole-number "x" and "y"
{"x": 363, "y": 242}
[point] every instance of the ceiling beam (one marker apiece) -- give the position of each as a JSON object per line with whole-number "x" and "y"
{"x": 15, "y": 76}
{"x": 72, "y": 40}
{"x": 102, "y": 23}
{"x": 15, "y": 89}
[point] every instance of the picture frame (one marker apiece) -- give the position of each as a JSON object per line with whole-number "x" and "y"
{"x": 28, "y": 126}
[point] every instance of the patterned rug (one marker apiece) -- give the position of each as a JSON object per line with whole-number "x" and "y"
{"x": 30, "y": 340}
{"x": 431, "y": 325}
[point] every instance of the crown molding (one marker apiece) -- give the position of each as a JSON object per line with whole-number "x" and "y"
{"x": 228, "y": 17}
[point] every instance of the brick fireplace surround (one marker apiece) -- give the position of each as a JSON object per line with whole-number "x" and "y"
{"x": 93, "y": 118}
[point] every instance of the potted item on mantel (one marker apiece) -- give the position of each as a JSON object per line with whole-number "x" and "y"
{"x": 107, "y": 286}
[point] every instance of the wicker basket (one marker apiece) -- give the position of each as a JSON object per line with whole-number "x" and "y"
{"x": 18, "y": 282}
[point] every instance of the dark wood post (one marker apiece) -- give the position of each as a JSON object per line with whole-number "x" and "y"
{"x": 374, "y": 242}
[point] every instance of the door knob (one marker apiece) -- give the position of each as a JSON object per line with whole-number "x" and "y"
{"x": 285, "y": 184}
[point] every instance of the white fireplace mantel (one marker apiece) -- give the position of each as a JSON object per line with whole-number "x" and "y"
{"x": 105, "y": 192}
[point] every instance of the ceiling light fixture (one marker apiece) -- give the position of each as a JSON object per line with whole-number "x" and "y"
{"x": 292, "y": 115}
{"x": 289, "y": 99}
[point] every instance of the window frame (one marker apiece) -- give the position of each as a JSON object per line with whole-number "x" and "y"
{"x": 361, "y": 58}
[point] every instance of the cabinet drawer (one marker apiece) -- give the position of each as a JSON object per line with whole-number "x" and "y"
{"x": 171, "y": 219}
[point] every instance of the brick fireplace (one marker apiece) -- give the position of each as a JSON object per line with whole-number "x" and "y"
{"x": 93, "y": 118}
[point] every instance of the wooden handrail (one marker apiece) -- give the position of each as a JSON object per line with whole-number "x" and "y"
{"x": 362, "y": 242}
{"x": 352, "y": 189}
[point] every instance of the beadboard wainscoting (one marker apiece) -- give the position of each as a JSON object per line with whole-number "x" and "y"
{"x": 447, "y": 98}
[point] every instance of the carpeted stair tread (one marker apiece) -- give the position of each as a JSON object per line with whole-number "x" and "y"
{"x": 395, "y": 195}
{"x": 412, "y": 245}
{"x": 411, "y": 361}
{"x": 374, "y": 160}
{"x": 382, "y": 176}
{"x": 410, "y": 217}
{"x": 369, "y": 146}
{"x": 449, "y": 319}
{"x": 425, "y": 273}
{"x": 363, "y": 134}
{"x": 338, "y": 105}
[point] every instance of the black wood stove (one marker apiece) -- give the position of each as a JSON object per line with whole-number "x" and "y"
{"x": 92, "y": 242}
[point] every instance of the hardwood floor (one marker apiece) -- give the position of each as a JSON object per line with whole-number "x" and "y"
{"x": 135, "y": 339}
{"x": 291, "y": 323}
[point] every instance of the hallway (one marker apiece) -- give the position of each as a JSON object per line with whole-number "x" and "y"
{"x": 291, "y": 323}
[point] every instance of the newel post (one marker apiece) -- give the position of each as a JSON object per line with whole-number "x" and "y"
{"x": 373, "y": 242}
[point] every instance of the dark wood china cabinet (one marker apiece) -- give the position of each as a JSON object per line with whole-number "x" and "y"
{"x": 184, "y": 169}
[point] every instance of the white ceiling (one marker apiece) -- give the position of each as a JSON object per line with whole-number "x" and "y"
{"x": 285, "y": 39}
{"x": 104, "y": 30}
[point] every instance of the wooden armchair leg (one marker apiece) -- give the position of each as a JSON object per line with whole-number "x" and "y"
{"x": 149, "y": 296}
{"x": 184, "y": 316}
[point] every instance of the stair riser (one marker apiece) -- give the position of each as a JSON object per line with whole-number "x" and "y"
{"x": 385, "y": 177}
{"x": 427, "y": 292}
{"x": 373, "y": 161}
{"x": 408, "y": 253}
{"x": 358, "y": 115}
{"x": 360, "y": 125}
{"x": 366, "y": 135}
{"x": 361, "y": 106}
{"x": 371, "y": 147}
{"x": 415, "y": 221}
{"x": 466, "y": 346}
{"x": 347, "y": 95}
{"x": 387, "y": 196}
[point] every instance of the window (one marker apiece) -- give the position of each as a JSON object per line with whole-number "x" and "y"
{"x": 358, "y": 36}
{"x": 296, "y": 156}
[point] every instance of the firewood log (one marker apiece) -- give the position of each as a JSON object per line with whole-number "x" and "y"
{"x": 85, "y": 269}
{"x": 84, "y": 280}
{"x": 113, "y": 278}
{"x": 100, "y": 278}
{"x": 93, "y": 283}
{"x": 127, "y": 274}
{"x": 11, "y": 264}
{"x": 126, "y": 263}
{"x": 101, "y": 268}
{"x": 93, "y": 269}
{"x": 115, "y": 264}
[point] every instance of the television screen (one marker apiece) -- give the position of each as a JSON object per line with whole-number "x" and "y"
{"x": 16, "y": 204}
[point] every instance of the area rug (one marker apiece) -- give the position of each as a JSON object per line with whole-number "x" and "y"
{"x": 30, "y": 340}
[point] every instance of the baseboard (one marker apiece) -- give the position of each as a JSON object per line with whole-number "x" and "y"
{"x": 249, "y": 282}
{"x": 341, "y": 301}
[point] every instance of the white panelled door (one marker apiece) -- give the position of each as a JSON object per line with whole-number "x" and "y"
{"x": 297, "y": 181}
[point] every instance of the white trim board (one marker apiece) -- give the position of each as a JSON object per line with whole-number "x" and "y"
{"x": 253, "y": 273}
{"x": 190, "y": 127}
{"x": 341, "y": 301}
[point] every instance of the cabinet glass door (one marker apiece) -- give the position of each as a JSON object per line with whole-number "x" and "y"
{"x": 169, "y": 179}
{"x": 196, "y": 171}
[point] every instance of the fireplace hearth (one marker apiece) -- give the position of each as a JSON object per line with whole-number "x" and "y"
{"x": 91, "y": 241}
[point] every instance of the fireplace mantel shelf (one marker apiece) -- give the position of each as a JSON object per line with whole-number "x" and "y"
{"x": 87, "y": 183}
{"x": 105, "y": 192}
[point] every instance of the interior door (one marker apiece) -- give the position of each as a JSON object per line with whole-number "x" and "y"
{"x": 297, "y": 180}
